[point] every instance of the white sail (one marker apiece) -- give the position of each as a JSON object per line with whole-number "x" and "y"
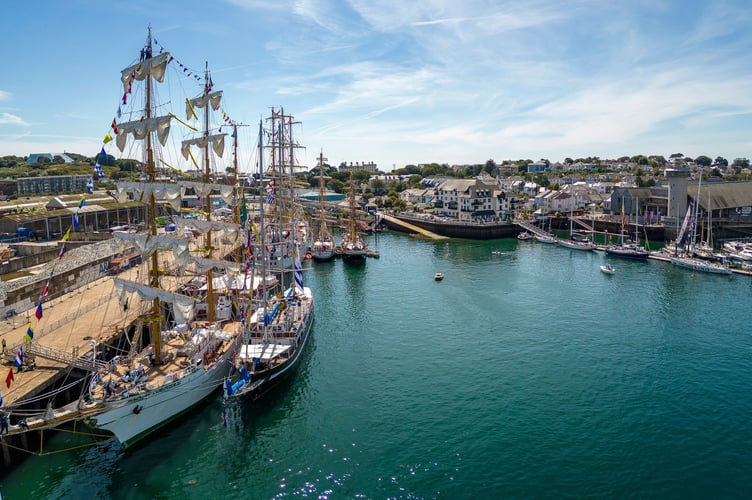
{"x": 182, "y": 305}
{"x": 171, "y": 193}
{"x": 155, "y": 66}
{"x": 203, "y": 189}
{"x": 139, "y": 129}
{"x": 213, "y": 98}
{"x": 217, "y": 142}
{"x": 148, "y": 244}
{"x": 684, "y": 225}
{"x": 202, "y": 227}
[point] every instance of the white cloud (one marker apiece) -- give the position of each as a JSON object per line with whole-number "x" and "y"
{"x": 9, "y": 119}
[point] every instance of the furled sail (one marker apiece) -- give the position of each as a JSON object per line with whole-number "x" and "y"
{"x": 203, "y": 189}
{"x": 171, "y": 193}
{"x": 148, "y": 244}
{"x": 213, "y": 98}
{"x": 204, "y": 226}
{"x": 140, "y": 128}
{"x": 217, "y": 142}
{"x": 154, "y": 65}
{"x": 183, "y": 306}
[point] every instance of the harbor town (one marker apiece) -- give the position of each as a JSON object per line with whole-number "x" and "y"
{"x": 322, "y": 249}
{"x": 81, "y": 330}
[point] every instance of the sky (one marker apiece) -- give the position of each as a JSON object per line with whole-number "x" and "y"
{"x": 396, "y": 82}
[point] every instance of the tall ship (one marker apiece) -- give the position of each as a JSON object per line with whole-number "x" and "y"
{"x": 278, "y": 321}
{"x": 352, "y": 246}
{"x": 286, "y": 225}
{"x": 184, "y": 338}
{"x": 322, "y": 248}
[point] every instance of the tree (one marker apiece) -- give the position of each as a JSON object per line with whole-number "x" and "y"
{"x": 676, "y": 155}
{"x": 378, "y": 186}
{"x": 721, "y": 161}
{"x": 336, "y": 185}
{"x": 490, "y": 167}
{"x": 703, "y": 160}
{"x": 741, "y": 163}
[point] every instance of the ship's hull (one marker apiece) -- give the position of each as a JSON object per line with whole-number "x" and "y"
{"x": 699, "y": 265}
{"x": 263, "y": 382}
{"x": 576, "y": 245}
{"x": 322, "y": 252}
{"x": 627, "y": 253}
{"x": 134, "y": 418}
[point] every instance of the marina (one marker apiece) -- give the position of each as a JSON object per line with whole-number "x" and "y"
{"x": 582, "y": 398}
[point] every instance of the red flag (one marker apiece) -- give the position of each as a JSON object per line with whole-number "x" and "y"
{"x": 38, "y": 312}
{"x": 9, "y": 378}
{"x": 46, "y": 289}
{"x": 114, "y": 126}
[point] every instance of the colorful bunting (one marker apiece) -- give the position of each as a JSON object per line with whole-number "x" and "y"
{"x": 90, "y": 185}
{"x": 114, "y": 128}
{"x": 39, "y": 312}
{"x": 10, "y": 378}
{"x": 65, "y": 236}
{"x": 45, "y": 290}
{"x": 29, "y": 334}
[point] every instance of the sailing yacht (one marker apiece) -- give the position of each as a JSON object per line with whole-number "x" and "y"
{"x": 686, "y": 258}
{"x": 627, "y": 250}
{"x": 354, "y": 249}
{"x": 574, "y": 242}
{"x": 278, "y": 326}
{"x": 323, "y": 242}
{"x": 178, "y": 357}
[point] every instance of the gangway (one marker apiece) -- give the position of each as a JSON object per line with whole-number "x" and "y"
{"x": 583, "y": 225}
{"x": 412, "y": 227}
{"x": 69, "y": 359}
{"x": 531, "y": 228}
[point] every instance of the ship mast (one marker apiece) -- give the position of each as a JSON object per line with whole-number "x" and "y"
{"x": 322, "y": 222}
{"x": 152, "y": 177}
{"x": 207, "y": 179}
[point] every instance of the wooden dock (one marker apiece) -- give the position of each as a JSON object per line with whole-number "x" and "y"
{"x": 71, "y": 324}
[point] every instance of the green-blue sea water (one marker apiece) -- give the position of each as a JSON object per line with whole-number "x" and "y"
{"x": 526, "y": 372}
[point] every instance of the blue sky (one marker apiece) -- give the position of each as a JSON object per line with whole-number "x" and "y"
{"x": 399, "y": 82}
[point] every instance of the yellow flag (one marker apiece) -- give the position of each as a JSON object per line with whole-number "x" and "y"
{"x": 66, "y": 235}
{"x": 107, "y": 138}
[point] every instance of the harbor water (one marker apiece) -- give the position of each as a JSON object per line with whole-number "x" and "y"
{"x": 526, "y": 372}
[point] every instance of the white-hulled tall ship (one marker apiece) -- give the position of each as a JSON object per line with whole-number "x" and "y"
{"x": 179, "y": 355}
{"x": 278, "y": 324}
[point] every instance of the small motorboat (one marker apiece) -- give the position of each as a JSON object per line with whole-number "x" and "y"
{"x": 608, "y": 269}
{"x": 438, "y": 276}
{"x": 524, "y": 235}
